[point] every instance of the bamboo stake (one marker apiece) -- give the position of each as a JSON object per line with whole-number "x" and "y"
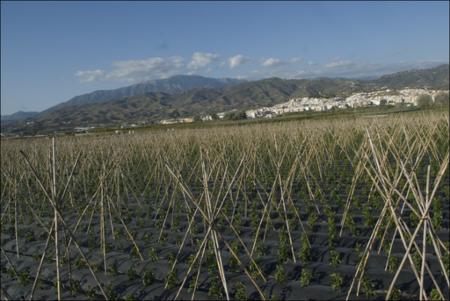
{"x": 58, "y": 279}
{"x": 41, "y": 262}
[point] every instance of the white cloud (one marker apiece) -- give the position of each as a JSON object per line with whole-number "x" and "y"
{"x": 211, "y": 63}
{"x": 202, "y": 59}
{"x": 270, "y": 62}
{"x": 237, "y": 60}
{"x": 89, "y": 75}
{"x": 136, "y": 70}
{"x": 338, "y": 63}
{"x": 150, "y": 68}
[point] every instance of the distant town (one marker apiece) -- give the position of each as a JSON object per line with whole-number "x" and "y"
{"x": 407, "y": 97}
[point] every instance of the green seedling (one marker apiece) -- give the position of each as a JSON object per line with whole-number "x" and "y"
{"x": 336, "y": 281}
{"x": 280, "y": 273}
{"x": 305, "y": 277}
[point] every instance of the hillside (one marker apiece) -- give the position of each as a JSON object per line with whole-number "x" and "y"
{"x": 19, "y": 115}
{"x": 149, "y": 107}
{"x": 154, "y": 106}
{"x": 434, "y": 78}
{"x": 171, "y": 85}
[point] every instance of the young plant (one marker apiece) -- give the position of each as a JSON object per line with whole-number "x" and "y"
{"x": 190, "y": 260}
{"x": 147, "y": 236}
{"x": 331, "y": 229}
{"x": 97, "y": 267}
{"x": 29, "y": 236}
{"x": 113, "y": 269}
{"x": 335, "y": 258}
{"x": 148, "y": 278}
{"x": 368, "y": 287}
{"x": 259, "y": 249}
{"x": 393, "y": 263}
{"x": 413, "y": 219}
{"x": 152, "y": 254}
{"x": 437, "y": 214}
{"x": 131, "y": 273}
{"x": 111, "y": 292}
{"x": 293, "y": 224}
{"x": 305, "y": 277}
{"x": 253, "y": 271}
{"x": 211, "y": 263}
{"x": 351, "y": 225}
{"x": 215, "y": 288}
{"x": 79, "y": 263}
{"x": 191, "y": 285}
{"x": 24, "y": 277}
{"x": 280, "y": 273}
{"x": 91, "y": 294}
{"x": 11, "y": 272}
{"x": 171, "y": 279}
{"x": 176, "y": 223}
{"x": 163, "y": 238}
{"x": 417, "y": 260}
{"x": 305, "y": 250}
{"x": 396, "y": 295}
{"x": 312, "y": 220}
{"x": 171, "y": 258}
{"x": 446, "y": 261}
{"x": 356, "y": 203}
{"x": 240, "y": 292}
{"x": 254, "y": 218}
{"x": 434, "y": 295}
{"x": 283, "y": 252}
{"x": 336, "y": 281}
{"x": 75, "y": 287}
{"x": 359, "y": 250}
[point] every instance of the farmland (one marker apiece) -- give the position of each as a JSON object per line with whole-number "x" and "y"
{"x": 301, "y": 209}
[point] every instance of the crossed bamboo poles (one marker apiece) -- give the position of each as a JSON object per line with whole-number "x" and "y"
{"x": 54, "y": 200}
{"x": 282, "y": 178}
{"x": 387, "y": 185}
{"x": 211, "y": 209}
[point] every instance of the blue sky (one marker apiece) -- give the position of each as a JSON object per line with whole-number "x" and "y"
{"x": 53, "y": 51}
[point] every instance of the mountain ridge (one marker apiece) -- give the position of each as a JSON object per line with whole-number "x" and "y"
{"x": 150, "y": 107}
{"x": 172, "y": 85}
{"x": 19, "y": 115}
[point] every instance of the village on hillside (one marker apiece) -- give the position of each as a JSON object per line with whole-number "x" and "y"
{"x": 407, "y": 97}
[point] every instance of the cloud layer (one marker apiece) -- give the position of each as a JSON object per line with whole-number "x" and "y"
{"x": 89, "y": 75}
{"x": 237, "y": 60}
{"x": 271, "y": 62}
{"x": 239, "y": 65}
{"x": 145, "y": 69}
{"x": 202, "y": 59}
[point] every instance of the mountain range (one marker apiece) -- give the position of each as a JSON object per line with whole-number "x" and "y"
{"x": 172, "y": 85}
{"x": 19, "y": 115}
{"x": 191, "y": 95}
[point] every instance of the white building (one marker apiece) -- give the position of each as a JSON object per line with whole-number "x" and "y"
{"x": 386, "y": 96}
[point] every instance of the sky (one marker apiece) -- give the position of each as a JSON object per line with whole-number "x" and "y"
{"x": 52, "y": 51}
